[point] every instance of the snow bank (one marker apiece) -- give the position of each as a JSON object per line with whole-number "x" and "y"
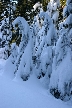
{"x": 29, "y": 94}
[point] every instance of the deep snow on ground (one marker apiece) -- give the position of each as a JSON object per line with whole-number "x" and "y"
{"x": 15, "y": 93}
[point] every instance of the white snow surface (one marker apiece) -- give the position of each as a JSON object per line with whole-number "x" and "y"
{"x": 28, "y": 94}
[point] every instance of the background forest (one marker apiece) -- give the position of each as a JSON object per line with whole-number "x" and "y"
{"x": 25, "y": 6}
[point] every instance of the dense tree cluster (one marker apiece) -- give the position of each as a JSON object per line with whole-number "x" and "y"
{"x": 25, "y": 7}
{"x": 43, "y": 47}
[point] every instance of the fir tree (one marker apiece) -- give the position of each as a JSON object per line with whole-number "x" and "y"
{"x": 46, "y": 38}
{"x": 61, "y": 80}
{"x": 24, "y": 58}
{"x": 7, "y": 27}
{"x": 52, "y": 10}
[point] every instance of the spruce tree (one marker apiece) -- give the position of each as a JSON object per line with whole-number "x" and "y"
{"x": 46, "y": 38}
{"x": 61, "y": 78}
{"x": 24, "y": 59}
{"x": 53, "y": 10}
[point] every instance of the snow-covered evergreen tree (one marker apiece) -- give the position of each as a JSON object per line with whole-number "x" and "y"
{"x": 68, "y": 8}
{"x": 61, "y": 78}
{"x": 7, "y": 28}
{"x": 24, "y": 59}
{"x": 6, "y": 37}
{"x": 36, "y": 26}
{"x": 47, "y": 38}
{"x": 52, "y": 10}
